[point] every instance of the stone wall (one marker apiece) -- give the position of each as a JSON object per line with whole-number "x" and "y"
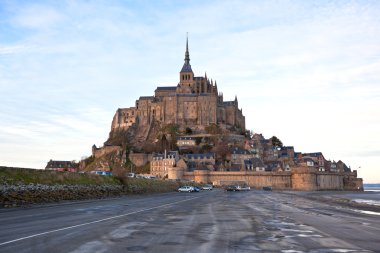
{"x": 278, "y": 180}
{"x": 351, "y": 182}
{"x": 99, "y": 152}
{"x": 140, "y": 159}
{"x": 300, "y": 178}
{"x": 329, "y": 181}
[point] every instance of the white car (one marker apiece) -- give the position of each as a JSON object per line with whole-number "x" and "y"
{"x": 186, "y": 189}
{"x": 245, "y": 188}
{"x": 207, "y": 187}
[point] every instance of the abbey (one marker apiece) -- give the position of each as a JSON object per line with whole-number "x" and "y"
{"x": 194, "y": 102}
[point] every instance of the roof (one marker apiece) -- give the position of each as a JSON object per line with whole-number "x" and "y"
{"x": 166, "y": 88}
{"x": 200, "y": 156}
{"x": 185, "y": 138}
{"x": 315, "y": 154}
{"x": 186, "y": 68}
{"x": 255, "y": 162}
{"x": 308, "y": 160}
{"x": 287, "y": 147}
{"x": 229, "y": 103}
{"x": 147, "y": 98}
{"x": 61, "y": 164}
{"x": 169, "y": 153}
{"x": 239, "y": 151}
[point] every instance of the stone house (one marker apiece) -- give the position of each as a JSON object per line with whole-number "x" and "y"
{"x": 161, "y": 163}
{"x": 205, "y": 159}
{"x": 184, "y": 142}
{"x": 254, "y": 164}
{"x": 69, "y": 166}
{"x": 237, "y": 155}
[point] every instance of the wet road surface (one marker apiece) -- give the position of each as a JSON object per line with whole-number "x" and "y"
{"x": 209, "y": 221}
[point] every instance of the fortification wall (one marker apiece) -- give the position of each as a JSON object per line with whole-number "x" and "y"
{"x": 255, "y": 179}
{"x": 329, "y": 181}
{"x": 99, "y": 152}
{"x": 304, "y": 179}
{"x": 175, "y": 173}
{"x": 139, "y": 159}
{"x": 301, "y": 178}
{"x": 281, "y": 181}
{"x": 351, "y": 182}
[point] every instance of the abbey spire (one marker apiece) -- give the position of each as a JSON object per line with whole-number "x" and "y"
{"x": 186, "y": 66}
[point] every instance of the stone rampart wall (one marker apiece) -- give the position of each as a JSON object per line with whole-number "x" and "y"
{"x": 255, "y": 179}
{"x": 99, "y": 152}
{"x": 329, "y": 181}
{"x": 139, "y": 159}
{"x": 302, "y": 179}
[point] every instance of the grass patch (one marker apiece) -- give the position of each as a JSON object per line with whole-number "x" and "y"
{"x": 13, "y": 176}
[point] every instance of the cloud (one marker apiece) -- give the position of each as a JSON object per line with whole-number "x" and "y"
{"x": 37, "y": 16}
{"x": 304, "y": 71}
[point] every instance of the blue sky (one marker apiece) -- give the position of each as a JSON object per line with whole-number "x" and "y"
{"x": 305, "y": 71}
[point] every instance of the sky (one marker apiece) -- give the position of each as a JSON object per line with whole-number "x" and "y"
{"x": 307, "y": 72}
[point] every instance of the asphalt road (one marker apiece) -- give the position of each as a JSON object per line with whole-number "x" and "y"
{"x": 211, "y": 221}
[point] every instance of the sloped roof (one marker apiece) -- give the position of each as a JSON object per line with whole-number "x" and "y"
{"x": 166, "y": 88}
{"x": 61, "y": 164}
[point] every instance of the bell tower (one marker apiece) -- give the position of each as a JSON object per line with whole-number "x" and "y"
{"x": 186, "y": 76}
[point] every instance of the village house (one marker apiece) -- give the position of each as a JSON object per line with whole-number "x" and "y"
{"x": 162, "y": 162}
{"x": 254, "y": 164}
{"x": 184, "y": 142}
{"x": 237, "y": 155}
{"x": 70, "y": 166}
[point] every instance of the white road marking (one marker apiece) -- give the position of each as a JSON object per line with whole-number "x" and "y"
{"x": 93, "y": 222}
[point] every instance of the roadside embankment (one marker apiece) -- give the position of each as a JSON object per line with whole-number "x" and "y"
{"x": 20, "y": 187}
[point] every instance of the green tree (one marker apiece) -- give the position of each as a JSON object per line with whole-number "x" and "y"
{"x": 188, "y": 130}
{"x": 276, "y": 142}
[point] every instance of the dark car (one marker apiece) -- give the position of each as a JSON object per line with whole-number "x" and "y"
{"x": 196, "y": 189}
{"x": 232, "y": 188}
{"x": 267, "y": 188}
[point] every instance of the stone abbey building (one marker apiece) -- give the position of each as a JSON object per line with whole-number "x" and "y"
{"x": 194, "y": 102}
{"x": 234, "y": 157}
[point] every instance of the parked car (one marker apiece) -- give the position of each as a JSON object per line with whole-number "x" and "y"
{"x": 232, "y": 188}
{"x": 245, "y": 188}
{"x": 101, "y": 172}
{"x": 186, "y": 189}
{"x": 196, "y": 189}
{"x": 207, "y": 187}
{"x": 267, "y": 188}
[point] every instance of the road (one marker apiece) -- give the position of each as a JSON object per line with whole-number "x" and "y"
{"x": 210, "y": 221}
